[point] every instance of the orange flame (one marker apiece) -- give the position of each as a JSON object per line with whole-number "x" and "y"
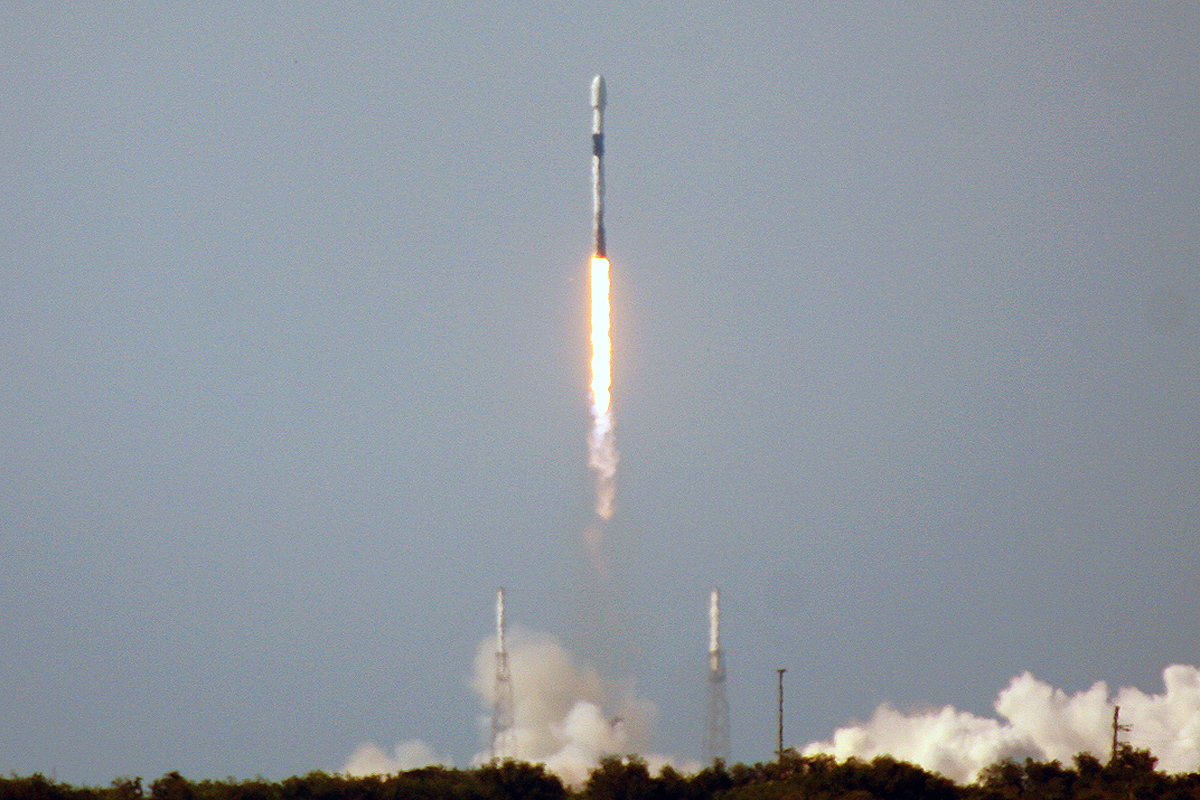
{"x": 601, "y": 339}
{"x": 602, "y": 451}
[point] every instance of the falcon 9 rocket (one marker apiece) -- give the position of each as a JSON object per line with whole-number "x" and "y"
{"x": 598, "y": 101}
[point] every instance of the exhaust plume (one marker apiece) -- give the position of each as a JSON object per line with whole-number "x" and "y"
{"x": 602, "y": 450}
{"x": 1040, "y": 722}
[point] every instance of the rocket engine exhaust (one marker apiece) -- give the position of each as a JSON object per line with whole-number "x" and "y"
{"x": 602, "y": 450}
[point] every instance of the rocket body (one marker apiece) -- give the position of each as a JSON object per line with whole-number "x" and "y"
{"x": 598, "y": 102}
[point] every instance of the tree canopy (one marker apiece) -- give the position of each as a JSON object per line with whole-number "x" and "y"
{"x": 1130, "y": 774}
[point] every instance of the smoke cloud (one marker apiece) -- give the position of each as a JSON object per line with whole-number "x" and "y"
{"x": 568, "y": 717}
{"x": 565, "y": 715}
{"x": 368, "y": 759}
{"x": 1040, "y": 722}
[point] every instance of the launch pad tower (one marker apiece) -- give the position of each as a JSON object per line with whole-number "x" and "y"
{"x": 503, "y": 745}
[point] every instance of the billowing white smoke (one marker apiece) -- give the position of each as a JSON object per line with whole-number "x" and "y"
{"x": 1042, "y": 722}
{"x": 564, "y": 716}
{"x": 368, "y": 759}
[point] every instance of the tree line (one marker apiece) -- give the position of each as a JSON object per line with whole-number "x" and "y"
{"x": 1130, "y": 775}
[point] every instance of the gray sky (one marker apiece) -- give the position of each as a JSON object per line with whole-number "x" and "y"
{"x": 906, "y": 333}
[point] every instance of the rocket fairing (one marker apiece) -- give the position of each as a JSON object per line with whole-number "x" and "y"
{"x": 598, "y": 102}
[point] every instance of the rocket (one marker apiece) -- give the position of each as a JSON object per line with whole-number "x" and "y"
{"x": 602, "y": 451}
{"x": 598, "y": 101}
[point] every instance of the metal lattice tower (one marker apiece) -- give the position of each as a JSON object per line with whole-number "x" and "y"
{"x": 503, "y": 745}
{"x": 716, "y": 741}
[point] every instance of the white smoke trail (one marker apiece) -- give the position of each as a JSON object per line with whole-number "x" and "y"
{"x": 1042, "y": 722}
{"x": 602, "y": 449}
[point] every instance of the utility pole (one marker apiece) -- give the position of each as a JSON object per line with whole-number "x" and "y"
{"x": 779, "y": 751}
{"x": 1117, "y": 729}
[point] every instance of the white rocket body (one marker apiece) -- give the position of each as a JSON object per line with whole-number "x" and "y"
{"x": 598, "y": 102}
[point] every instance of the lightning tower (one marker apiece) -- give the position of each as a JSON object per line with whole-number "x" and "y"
{"x": 502, "y": 708}
{"x": 716, "y": 742}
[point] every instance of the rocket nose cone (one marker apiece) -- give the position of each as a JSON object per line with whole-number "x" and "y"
{"x": 598, "y": 98}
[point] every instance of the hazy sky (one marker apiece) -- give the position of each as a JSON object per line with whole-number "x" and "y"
{"x": 906, "y": 304}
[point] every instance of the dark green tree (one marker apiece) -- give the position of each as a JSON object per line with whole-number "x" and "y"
{"x": 1004, "y": 780}
{"x": 620, "y": 779}
{"x": 519, "y": 780}
{"x": 125, "y": 788}
{"x": 172, "y": 786}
